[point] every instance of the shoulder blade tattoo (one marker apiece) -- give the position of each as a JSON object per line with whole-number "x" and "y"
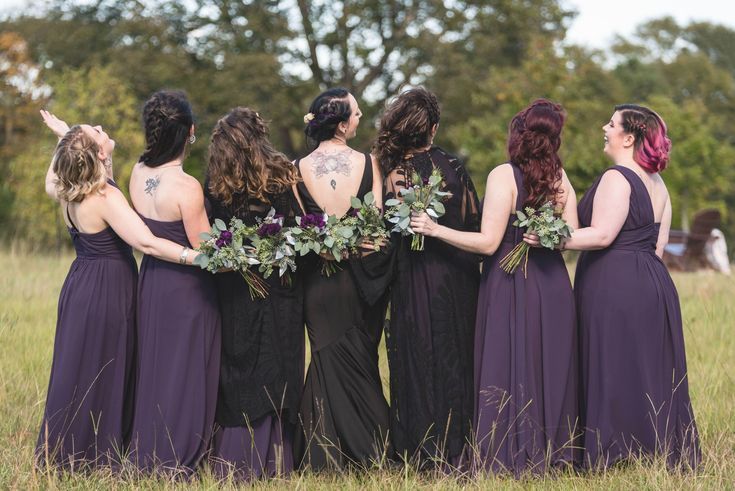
{"x": 151, "y": 184}
{"x": 327, "y": 163}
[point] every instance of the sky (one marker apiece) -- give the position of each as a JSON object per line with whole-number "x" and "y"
{"x": 599, "y": 20}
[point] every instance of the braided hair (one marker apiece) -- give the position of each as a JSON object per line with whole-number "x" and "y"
{"x": 78, "y": 169}
{"x": 652, "y": 145}
{"x": 406, "y": 125}
{"x": 330, "y": 108}
{"x": 167, "y": 120}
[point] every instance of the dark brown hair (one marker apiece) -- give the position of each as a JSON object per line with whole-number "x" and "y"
{"x": 167, "y": 120}
{"x": 406, "y": 125}
{"x": 242, "y": 159}
{"x": 533, "y": 145}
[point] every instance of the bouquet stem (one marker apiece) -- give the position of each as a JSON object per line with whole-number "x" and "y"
{"x": 417, "y": 242}
{"x": 257, "y": 287}
{"x": 513, "y": 259}
{"x": 329, "y": 268}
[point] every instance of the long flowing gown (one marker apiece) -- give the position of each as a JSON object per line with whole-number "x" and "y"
{"x": 344, "y": 414}
{"x": 178, "y": 361}
{"x": 262, "y": 364}
{"x": 432, "y": 322}
{"x": 88, "y": 407}
{"x": 526, "y": 376}
{"x": 635, "y": 397}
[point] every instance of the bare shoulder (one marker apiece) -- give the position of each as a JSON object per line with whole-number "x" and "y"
{"x": 501, "y": 172}
{"x": 189, "y": 183}
{"x": 615, "y": 182}
{"x": 659, "y": 183}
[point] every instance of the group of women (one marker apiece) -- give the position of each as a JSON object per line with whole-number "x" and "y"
{"x": 171, "y": 367}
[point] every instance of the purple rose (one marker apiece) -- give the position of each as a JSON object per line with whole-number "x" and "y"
{"x": 312, "y": 220}
{"x": 268, "y": 229}
{"x": 225, "y": 238}
{"x": 353, "y": 212}
{"x": 277, "y": 216}
{"x": 425, "y": 180}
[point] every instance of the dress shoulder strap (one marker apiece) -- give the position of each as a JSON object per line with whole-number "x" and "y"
{"x": 366, "y": 185}
{"x": 68, "y": 216}
{"x": 520, "y": 190}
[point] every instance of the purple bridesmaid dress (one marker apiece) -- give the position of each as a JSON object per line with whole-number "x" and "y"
{"x": 634, "y": 377}
{"x": 526, "y": 397}
{"x": 88, "y": 407}
{"x": 178, "y": 361}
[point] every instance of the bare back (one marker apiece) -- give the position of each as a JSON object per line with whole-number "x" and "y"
{"x": 332, "y": 176}
{"x": 167, "y": 194}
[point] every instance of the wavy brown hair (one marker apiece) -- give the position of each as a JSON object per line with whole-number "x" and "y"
{"x": 533, "y": 145}
{"x": 78, "y": 169}
{"x": 406, "y": 125}
{"x": 242, "y": 159}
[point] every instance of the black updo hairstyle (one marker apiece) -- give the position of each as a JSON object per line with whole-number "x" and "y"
{"x": 167, "y": 120}
{"x": 330, "y": 108}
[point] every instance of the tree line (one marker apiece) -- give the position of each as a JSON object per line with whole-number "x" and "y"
{"x": 486, "y": 59}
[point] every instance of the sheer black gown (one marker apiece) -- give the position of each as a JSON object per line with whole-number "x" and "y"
{"x": 432, "y": 321}
{"x": 344, "y": 414}
{"x": 262, "y": 364}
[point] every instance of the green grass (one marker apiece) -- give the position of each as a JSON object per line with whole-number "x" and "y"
{"x": 29, "y": 288}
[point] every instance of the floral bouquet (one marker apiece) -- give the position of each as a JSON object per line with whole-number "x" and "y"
{"x": 324, "y": 234}
{"x": 274, "y": 247}
{"x": 426, "y": 197}
{"x": 370, "y": 223}
{"x": 544, "y": 222}
{"x": 225, "y": 248}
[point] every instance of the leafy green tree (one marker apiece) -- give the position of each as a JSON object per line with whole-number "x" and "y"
{"x": 81, "y": 95}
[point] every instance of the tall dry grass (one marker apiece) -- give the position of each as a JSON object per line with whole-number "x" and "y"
{"x": 29, "y": 288}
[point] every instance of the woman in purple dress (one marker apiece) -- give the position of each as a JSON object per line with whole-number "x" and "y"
{"x": 178, "y": 344}
{"x": 526, "y": 400}
{"x": 262, "y": 364}
{"x": 343, "y": 414}
{"x": 635, "y": 395}
{"x": 434, "y": 295}
{"x": 88, "y": 407}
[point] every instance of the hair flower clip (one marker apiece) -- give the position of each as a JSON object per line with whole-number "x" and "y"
{"x": 308, "y": 118}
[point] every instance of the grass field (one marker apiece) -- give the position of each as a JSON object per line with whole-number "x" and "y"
{"x": 29, "y": 288}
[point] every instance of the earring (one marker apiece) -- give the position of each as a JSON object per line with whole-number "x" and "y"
{"x": 192, "y": 139}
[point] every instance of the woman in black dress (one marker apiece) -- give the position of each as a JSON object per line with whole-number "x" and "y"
{"x": 344, "y": 415}
{"x": 434, "y": 295}
{"x": 262, "y": 360}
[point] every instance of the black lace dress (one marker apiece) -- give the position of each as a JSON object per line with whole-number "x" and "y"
{"x": 432, "y": 320}
{"x": 262, "y": 361}
{"x": 344, "y": 414}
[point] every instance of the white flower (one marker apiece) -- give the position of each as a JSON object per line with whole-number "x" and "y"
{"x": 308, "y": 118}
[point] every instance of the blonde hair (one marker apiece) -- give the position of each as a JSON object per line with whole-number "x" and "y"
{"x": 78, "y": 169}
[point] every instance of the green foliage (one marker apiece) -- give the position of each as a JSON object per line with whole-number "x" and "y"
{"x": 82, "y": 95}
{"x": 486, "y": 60}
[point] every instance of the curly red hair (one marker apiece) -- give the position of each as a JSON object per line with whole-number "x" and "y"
{"x": 533, "y": 145}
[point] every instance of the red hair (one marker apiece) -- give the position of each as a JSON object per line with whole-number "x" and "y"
{"x": 533, "y": 145}
{"x": 652, "y": 146}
